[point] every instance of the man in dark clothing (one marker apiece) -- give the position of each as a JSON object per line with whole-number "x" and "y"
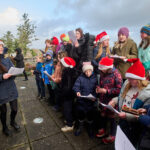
{"x": 19, "y": 61}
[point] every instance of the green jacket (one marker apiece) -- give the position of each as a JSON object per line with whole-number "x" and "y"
{"x": 144, "y": 56}
{"x": 129, "y": 50}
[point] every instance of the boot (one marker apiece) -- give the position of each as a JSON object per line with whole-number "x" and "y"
{"x": 90, "y": 129}
{"x": 6, "y": 131}
{"x": 79, "y": 128}
{"x": 13, "y": 123}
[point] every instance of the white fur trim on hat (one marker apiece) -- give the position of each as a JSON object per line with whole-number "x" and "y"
{"x": 1, "y": 43}
{"x": 106, "y": 37}
{"x": 87, "y": 67}
{"x": 133, "y": 76}
{"x": 103, "y": 67}
{"x": 64, "y": 63}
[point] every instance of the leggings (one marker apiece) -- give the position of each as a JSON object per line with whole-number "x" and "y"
{"x": 3, "y": 112}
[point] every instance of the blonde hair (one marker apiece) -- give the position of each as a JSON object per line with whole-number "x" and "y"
{"x": 141, "y": 84}
{"x": 100, "y": 51}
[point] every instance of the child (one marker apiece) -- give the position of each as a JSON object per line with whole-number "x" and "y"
{"x": 48, "y": 45}
{"x": 85, "y": 85}
{"x": 38, "y": 78}
{"x": 67, "y": 94}
{"x": 125, "y": 47}
{"x": 109, "y": 87}
{"x": 144, "y": 49}
{"x": 48, "y": 66}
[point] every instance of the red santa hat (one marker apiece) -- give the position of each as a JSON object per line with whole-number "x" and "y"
{"x": 54, "y": 41}
{"x": 68, "y": 62}
{"x": 101, "y": 37}
{"x": 137, "y": 70}
{"x": 106, "y": 63}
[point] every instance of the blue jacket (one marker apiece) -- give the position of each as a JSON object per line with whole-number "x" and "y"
{"x": 37, "y": 72}
{"x": 48, "y": 66}
{"x": 8, "y": 90}
{"x": 145, "y": 119}
{"x": 85, "y": 85}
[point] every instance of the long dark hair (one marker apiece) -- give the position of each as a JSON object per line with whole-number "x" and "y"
{"x": 2, "y": 68}
{"x": 147, "y": 44}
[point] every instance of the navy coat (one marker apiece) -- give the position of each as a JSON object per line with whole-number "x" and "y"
{"x": 85, "y": 85}
{"x": 8, "y": 90}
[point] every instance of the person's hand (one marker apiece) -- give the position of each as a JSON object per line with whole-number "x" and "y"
{"x": 101, "y": 90}
{"x": 142, "y": 111}
{"x": 112, "y": 103}
{"x": 122, "y": 115}
{"x": 78, "y": 94}
{"x": 6, "y": 76}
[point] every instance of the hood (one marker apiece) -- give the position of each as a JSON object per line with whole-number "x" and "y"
{"x": 18, "y": 50}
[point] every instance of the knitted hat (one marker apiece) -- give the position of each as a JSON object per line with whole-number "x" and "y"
{"x": 54, "y": 41}
{"x": 146, "y": 29}
{"x": 1, "y": 43}
{"x": 62, "y": 36}
{"x": 68, "y": 62}
{"x": 106, "y": 63}
{"x": 50, "y": 53}
{"x": 66, "y": 39}
{"x": 124, "y": 31}
{"x": 87, "y": 66}
{"x": 101, "y": 37}
{"x": 137, "y": 70}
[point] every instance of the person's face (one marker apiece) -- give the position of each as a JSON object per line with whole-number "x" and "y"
{"x": 143, "y": 35}
{"x": 48, "y": 44}
{"x": 88, "y": 73}
{"x": 38, "y": 59}
{"x": 133, "y": 82}
{"x": 1, "y": 49}
{"x": 78, "y": 35}
{"x": 122, "y": 38}
{"x": 65, "y": 43}
{"x": 105, "y": 43}
{"x": 48, "y": 57}
{"x": 104, "y": 71}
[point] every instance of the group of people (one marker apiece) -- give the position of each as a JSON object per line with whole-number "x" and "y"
{"x": 83, "y": 75}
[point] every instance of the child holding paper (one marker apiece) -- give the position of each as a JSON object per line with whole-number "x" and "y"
{"x": 85, "y": 85}
{"x": 110, "y": 86}
{"x": 48, "y": 66}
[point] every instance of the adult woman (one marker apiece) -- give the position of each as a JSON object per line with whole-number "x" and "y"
{"x": 8, "y": 92}
{"x": 135, "y": 94}
{"x": 144, "y": 48}
{"x": 124, "y": 47}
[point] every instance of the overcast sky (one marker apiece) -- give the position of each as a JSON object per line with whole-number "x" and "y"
{"x": 94, "y": 16}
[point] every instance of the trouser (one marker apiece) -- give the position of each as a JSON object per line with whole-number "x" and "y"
{"x": 108, "y": 124}
{"x": 51, "y": 94}
{"x": 3, "y": 113}
{"x": 68, "y": 111}
{"x": 40, "y": 87}
{"x": 25, "y": 75}
{"x": 58, "y": 98}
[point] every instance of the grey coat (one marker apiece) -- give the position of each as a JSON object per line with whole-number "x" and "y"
{"x": 8, "y": 90}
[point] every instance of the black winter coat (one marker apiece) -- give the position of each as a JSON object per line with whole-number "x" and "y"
{"x": 8, "y": 90}
{"x": 19, "y": 59}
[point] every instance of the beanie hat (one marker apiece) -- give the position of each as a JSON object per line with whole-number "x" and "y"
{"x": 106, "y": 63}
{"x": 87, "y": 66}
{"x": 68, "y": 62}
{"x": 66, "y": 39}
{"x": 62, "y": 36}
{"x": 124, "y": 31}
{"x": 54, "y": 41}
{"x": 50, "y": 53}
{"x": 146, "y": 29}
{"x": 137, "y": 70}
{"x": 101, "y": 37}
{"x": 1, "y": 43}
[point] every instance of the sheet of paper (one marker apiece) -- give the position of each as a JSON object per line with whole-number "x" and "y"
{"x": 90, "y": 96}
{"x": 110, "y": 108}
{"x": 122, "y": 142}
{"x": 49, "y": 76}
{"x": 72, "y": 36}
{"x": 116, "y": 56}
{"x": 15, "y": 71}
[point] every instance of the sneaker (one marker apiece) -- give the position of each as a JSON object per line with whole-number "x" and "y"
{"x": 100, "y": 133}
{"x": 67, "y": 129}
{"x": 42, "y": 98}
{"x": 108, "y": 140}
